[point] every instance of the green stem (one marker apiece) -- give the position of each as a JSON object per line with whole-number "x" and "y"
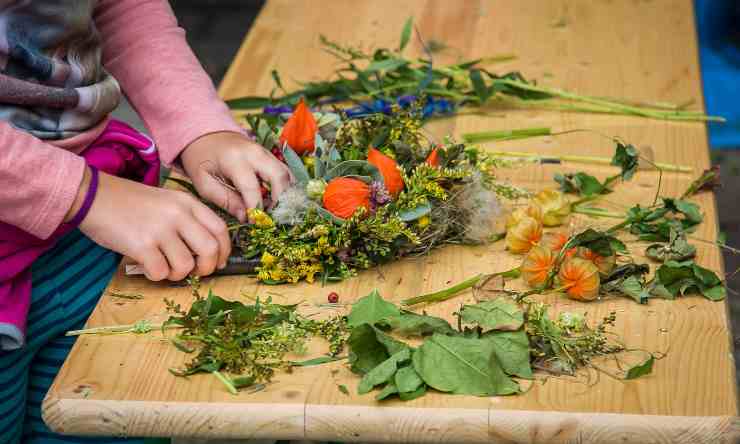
{"x": 116, "y": 329}
{"x": 597, "y": 212}
{"x": 586, "y": 159}
{"x": 447, "y": 293}
{"x": 620, "y": 107}
{"x": 618, "y": 227}
{"x": 515, "y": 134}
{"x": 226, "y": 382}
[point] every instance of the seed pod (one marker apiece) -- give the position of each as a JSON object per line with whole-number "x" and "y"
{"x": 580, "y": 279}
{"x": 555, "y": 207}
{"x": 604, "y": 264}
{"x": 523, "y": 236}
{"x": 533, "y": 211}
{"x": 536, "y": 265}
{"x": 344, "y": 195}
{"x": 388, "y": 169}
{"x": 299, "y": 132}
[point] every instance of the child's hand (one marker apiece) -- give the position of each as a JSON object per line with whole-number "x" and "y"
{"x": 233, "y": 157}
{"x": 170, "y": 233}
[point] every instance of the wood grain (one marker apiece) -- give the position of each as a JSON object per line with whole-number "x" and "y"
{"x": 634, "y": 49}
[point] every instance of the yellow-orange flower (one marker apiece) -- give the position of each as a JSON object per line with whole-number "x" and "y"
{"x": 533, "y": 211}
{"x": 433, "y": 158}
{"x": 579, "y": 279}
{"x": 555, "y": 207}
{"x": 524, "y": 235}
{"x": 536, "y": 265}
{"x": 604, "y": 264}
{"x": 299, "y": 132}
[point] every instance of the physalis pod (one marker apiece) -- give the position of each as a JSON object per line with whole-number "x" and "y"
{"x": 537, "y": 265}
{"x": 524, "y": 235}
{"x": 604, "y": 264}
{"x": 579, "y": 279}
{"x": 555, "y": 207}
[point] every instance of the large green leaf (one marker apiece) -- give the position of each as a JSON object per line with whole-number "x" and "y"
{"x": 354, "y": 168}
{"x": 464, "y": 366}
{"x": 384, "y": 372}
{"x": 412, "y": 324}
{"x": 371, "y": 309}
{"x": 407, "y": 380}
{"x": 680, "y": 278}
{"x": 365, "y": 351}
{"x": 496, "y": 314}
{"x": 512, "y": 351}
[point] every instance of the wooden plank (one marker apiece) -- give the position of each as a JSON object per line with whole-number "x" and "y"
{"x": 635, "y": 49}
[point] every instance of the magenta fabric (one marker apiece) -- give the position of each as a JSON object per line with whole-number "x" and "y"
{"x": 121, "y": 151}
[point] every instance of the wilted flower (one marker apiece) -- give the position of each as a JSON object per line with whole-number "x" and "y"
{"x": 533, "y": 211}
{"x": 604, "y": 264}
{"x": 537, "y": 265}
{"x": 523, "y": 236}
{"x": 299, "y": 132}
{"x": 292, "y": 206}
{"x": 555, "y": 207}
{"x": 579, "y": 279}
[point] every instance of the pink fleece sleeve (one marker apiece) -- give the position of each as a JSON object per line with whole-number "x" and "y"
{"x": 38, "y": 181}
{"x": 146, "y": 51}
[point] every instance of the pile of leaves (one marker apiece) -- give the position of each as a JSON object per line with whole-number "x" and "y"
{"x": 376, "y": 80}
{"x": 249, "y": 342}
{"x": 497, "y": 343}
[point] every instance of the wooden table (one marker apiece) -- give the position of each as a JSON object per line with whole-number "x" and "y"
{"x": 119, "y": 385}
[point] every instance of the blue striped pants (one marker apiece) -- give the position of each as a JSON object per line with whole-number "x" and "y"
{"x": 67, "y": 283}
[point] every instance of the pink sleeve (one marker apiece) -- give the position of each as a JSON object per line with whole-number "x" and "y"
{"x": 146, "y": 51}
{"x": 38, "y": 181}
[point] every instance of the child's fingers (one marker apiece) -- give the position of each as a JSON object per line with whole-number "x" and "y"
{"x": 214, "y": 191}
{"x": 178, "y": 256}
{"x": 154, "y": 263}
{"x": 217, "y": 229}
{"x": 277, "y": 173}
{"x": 243, "y": 177}
{"x": 202, "y": 245}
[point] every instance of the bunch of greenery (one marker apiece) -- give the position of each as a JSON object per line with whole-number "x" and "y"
{"x": 386, "y": 75}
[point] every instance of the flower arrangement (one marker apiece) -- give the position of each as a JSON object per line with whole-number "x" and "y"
{"x": 366, "y": 191}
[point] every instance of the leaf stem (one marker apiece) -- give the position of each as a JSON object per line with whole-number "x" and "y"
{"x": 226, "y": 382}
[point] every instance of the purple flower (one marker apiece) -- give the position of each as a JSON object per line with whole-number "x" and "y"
{"x": 378, "y": 195}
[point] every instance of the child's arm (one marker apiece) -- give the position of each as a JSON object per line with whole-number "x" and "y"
{"x": 147, "y": 52}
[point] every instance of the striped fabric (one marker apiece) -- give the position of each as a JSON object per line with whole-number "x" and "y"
{"x": 67, "y": 283}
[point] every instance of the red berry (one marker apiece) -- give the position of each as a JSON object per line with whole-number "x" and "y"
{"x": 333, "y": 297}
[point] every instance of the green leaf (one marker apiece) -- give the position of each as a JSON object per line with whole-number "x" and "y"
{"x": 316, "y": 361}
{"x": 412, "y": 324}
{"x": 243, "y": 381}
{"x": 581, "y": 183}
{"x": 389, "y": 390}
{"x": 249, "y": 102}
{"x": 641, "y": 369}
{"x": 479, "y": 85}
{"x": 371, "y": 309}
{"x": 598, "y": 242}
{"x": 383, "y": 372}
{"x": 680, "y": 278}
{"x": 497, "y": 314}
{"x": 407, "y": 380}
{"x": 415, "y": 213}
{"x": 354, "y": 167}
{"x": 626, "y": 157}
{"x": 276, "y": 78}
{"x": 365, "y": 351}
{"x": 343, "y": 388}
{"x": 512, "y": 351}
{"x": 462, "y": 366}
{"x": 409, "y": 396}
{"x": 635, "y": 289}
{"x": 406, "y": 33}
{"x": 296, "y": 166}
{"x": 386, "y": 65}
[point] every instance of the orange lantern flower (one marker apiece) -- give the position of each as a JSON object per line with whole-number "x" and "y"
{"x": 344, "y": 195}
{"x": 555, "y": 207}
{"x": 604, "y": 264}
{"x": 555, "y": 242}
{"x": 433, "y": 158}
{"x": 388, "y": 169}
{"x": 533, "y": 211}
{"x": 524, "y": 235}
{"x": 580, "y": 279}
{"x": 536, "y": 265}
{"x": 299, "y": 132}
